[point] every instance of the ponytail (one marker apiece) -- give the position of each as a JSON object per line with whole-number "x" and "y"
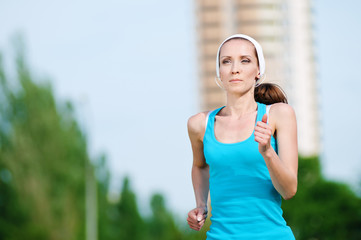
{"x": 269, "y": 93}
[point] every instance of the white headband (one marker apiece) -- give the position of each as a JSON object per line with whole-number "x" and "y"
{"x": 262, "y": 64}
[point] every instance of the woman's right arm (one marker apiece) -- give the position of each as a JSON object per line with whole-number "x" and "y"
{"x": 200, "y": 171}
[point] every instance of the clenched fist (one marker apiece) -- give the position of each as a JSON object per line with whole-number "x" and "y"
{"x": 197, "y": 217}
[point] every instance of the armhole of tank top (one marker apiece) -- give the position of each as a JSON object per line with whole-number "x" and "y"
{"x": 268, "y": 107}
{"x": 205, "y": 125}
{"x": 267, "y": 112}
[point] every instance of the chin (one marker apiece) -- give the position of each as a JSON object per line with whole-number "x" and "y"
{"x": 239, "y": 90}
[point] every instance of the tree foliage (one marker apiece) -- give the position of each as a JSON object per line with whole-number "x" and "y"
{"x": 322, "y": 209}
{"x": 161, "y": 224}
{"x": 44, "y": 152}
{"x": 130, "y": 222}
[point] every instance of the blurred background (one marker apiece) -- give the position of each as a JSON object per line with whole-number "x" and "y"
{"x": 95, "y": 98}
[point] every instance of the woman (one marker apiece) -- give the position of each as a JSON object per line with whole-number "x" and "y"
{"x": 244, "y": 153}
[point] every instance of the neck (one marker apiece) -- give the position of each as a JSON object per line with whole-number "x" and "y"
{"x": 238, "y": 106}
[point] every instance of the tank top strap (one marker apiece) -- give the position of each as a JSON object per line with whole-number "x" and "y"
{"x": 210, "y": 119}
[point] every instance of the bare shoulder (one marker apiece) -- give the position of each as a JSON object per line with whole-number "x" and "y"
{"x": 283, "y": 115}
{"x": 196, "y": 124}
{"x": 282, "y": 110}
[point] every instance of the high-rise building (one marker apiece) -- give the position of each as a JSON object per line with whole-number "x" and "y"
{"x": 284, "y": 29}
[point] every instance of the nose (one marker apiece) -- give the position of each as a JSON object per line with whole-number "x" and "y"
{"x": 236, "y": 67}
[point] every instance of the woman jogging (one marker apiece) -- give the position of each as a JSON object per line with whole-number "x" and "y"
{"x": 245, "y": 153}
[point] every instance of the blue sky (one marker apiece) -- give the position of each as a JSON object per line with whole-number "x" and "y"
{"x": 130, "y": 69}
{"x": 338, "y": 52}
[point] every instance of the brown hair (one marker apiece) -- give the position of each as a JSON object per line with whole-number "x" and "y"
{"x": 269, "y": 93}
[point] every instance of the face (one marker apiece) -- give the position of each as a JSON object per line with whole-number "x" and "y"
{"x": 238, "y": 66}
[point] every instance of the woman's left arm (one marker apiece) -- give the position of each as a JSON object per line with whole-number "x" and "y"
{"x": 282, "y": 167}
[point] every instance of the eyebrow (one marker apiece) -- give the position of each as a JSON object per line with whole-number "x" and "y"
{"x": 241, "y": 56}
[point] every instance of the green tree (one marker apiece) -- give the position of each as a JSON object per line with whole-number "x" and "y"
{"x": 127, "y": 218}
{"x": 13, "y": 215}
{"x": 322, "y": 209}
{"x": 108, "y": 216}
{"x": 161, "y": 224}
{"x": 44, "y": 151}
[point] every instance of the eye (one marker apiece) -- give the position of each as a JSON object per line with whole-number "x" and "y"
{"x": 225, "y": 61}
{"x": 246, "y": 61}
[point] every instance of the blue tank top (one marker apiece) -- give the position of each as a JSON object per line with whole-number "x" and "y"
{"x": 245, "y": 204}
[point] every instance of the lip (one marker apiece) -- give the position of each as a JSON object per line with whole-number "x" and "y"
{"x": 235, "y": 80}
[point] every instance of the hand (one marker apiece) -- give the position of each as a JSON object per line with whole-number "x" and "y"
{"x": 263, "y": 133}
{"x": 197, "y": 217}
